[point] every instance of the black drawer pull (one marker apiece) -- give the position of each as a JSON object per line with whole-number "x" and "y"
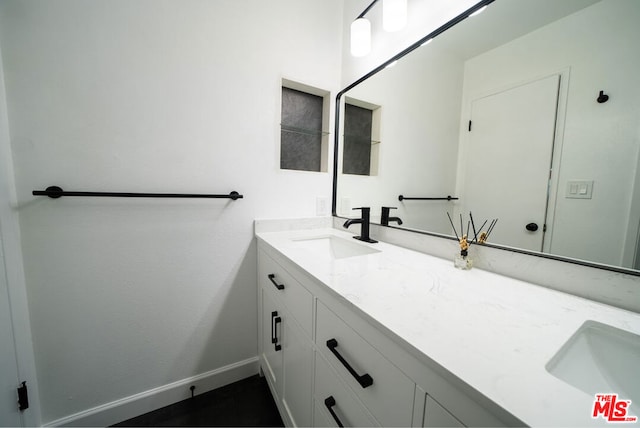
{"x": 272, "y": 278}
{"x": 329, "y": 402}
{"x": 364, "y": 380}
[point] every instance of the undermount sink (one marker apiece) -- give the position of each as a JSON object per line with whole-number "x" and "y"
{"x": 334, "y": 247}
{"x": 599, "y": 358}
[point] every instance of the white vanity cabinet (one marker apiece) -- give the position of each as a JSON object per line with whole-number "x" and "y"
{"x": 337, "y": 367}
{"x": 285, "y": 347}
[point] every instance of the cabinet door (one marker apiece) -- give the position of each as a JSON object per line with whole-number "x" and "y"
{"x": 437, "y": 416}
{"x": 272, "y": 343}
{"x": 298, "y": 373}
{"x": 297, "y": 299}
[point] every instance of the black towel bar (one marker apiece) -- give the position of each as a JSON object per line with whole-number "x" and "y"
{"x": 448, "y": 198}
{"x": 56, "y": 192}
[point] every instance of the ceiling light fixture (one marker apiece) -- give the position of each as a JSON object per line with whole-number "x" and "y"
{"x": 394, "y": 18}
{"x": 360, "y": 37}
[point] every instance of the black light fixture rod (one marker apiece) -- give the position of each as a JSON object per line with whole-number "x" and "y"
{"x": 364, "y": 12}
{"x": 448, "y": 198}
{"x": 57, "y": 192}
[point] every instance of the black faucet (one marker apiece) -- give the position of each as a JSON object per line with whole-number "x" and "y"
{"x": 364, "y": 222}
{"x": 385, "y": 219}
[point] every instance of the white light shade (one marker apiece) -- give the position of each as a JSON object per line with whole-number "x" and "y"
{"x": 394, "y": 15}
{"x": 360, "y": 37}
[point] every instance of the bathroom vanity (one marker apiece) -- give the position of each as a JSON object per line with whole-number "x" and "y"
{"x": 359, "y": 334}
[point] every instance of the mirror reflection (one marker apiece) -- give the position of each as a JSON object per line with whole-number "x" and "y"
{"x": 528, "y": 112}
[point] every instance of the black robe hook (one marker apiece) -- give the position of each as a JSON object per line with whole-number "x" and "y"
{"x": 602, "y": 98}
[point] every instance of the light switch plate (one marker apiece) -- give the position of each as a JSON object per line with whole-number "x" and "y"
{"x": 322, "y": 206}
{"x": 579, "y": 189}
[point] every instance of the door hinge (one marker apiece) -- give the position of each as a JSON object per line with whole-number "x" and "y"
{"x": 469, "y": 126}
{"x": 23, "y": 397}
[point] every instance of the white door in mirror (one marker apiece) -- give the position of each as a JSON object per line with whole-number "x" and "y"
{"x": 511, "y": 135}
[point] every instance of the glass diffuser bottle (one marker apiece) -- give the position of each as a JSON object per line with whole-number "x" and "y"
{"x": 462, "y": 260}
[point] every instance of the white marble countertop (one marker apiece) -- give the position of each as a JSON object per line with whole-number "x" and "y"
{"x": 493, "y": 332}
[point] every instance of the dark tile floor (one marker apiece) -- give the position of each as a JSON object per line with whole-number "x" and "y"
{"x": 247, "y": 402}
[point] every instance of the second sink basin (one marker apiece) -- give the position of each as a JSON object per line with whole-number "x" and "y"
{"x": 334, "y": 247}
{"x": 599, "y": 358}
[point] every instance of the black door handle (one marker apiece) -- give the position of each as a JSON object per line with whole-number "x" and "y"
{"x": 272, "y": 278}
{"x": 364, "y": 380}
{"x": 329, "y": 402}
{"x": 531, "y": 227}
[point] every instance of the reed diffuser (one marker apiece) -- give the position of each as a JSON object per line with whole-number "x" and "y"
{"x": 462, "y": 260}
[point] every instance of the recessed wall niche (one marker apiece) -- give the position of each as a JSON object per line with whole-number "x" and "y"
{"x": 361, "y": 138}
{"x": 303, "y": 124}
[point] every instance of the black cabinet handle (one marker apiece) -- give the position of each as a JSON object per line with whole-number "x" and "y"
{"x": 275, "y": 320}
{"x": 272, "y": 278}
{"x": 329, "y": 402}
{"x": 273, "y": 337}
{"x": 364, "y": 380}
{"x": 23, "y": 397}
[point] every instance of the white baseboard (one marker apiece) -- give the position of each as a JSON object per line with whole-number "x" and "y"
{"x": 147, "y": 401}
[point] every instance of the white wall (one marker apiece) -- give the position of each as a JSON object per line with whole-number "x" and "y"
{"x": 163, "y": 96}
{"x": 599, "y": 141}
